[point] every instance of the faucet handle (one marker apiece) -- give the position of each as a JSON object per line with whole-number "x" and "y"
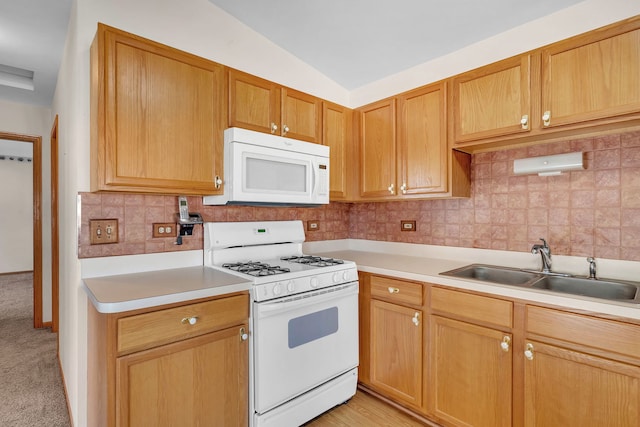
{"x": 544, "y": 243}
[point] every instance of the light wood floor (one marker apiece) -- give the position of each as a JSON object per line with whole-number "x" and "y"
{"x": 364, "y": 410}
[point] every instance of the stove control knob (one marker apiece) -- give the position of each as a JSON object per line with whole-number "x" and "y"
{"x": 336, "y": 277}
{"x": 291, "y": 286}
{"x": 314, "y": 282}
{"x": 345, "y": 276}
{"x": 277, "y": 289}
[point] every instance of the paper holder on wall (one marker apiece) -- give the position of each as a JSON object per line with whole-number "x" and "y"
{"x": 549, "y": 165}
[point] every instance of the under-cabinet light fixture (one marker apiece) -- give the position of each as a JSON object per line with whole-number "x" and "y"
{"x": 549, "y": 165}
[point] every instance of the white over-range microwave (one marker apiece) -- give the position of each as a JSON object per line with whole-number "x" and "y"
{"x": 271, "y": 170}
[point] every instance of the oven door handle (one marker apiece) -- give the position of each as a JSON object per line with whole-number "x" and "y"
{"x": 268, "y": 308}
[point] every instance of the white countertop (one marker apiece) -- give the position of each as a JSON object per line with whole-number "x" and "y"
{"x": 124, "y": 292}
{"x": 398, "y": 260}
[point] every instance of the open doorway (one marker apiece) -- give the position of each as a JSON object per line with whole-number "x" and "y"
{"x": 36, "y": 142}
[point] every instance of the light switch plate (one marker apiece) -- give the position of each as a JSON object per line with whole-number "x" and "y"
{"x": 313, "y": 225}
{"x": 103, "y": 231}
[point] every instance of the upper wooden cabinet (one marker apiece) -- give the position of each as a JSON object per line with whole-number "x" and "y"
{"x": 584, "y": 85}
{"x": 404, "y": 153}
{"x": 492, "y": 101}
{"x": 157, "y": 117}
{"x": 264, "y": 106}
{"x": 422, "y": 141}
{"x": 336, "y": 134}
{"x": 378, "y": 149}
{"x": 593, "y": 76}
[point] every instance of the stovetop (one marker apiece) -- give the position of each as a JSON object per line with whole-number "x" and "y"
{"x": 269, "y": 253}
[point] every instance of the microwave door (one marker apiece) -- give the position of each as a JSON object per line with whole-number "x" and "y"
{"x": 275, "y": 178}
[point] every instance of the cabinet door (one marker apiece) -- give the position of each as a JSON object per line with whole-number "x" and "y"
{"x": 594, "y": 76}
{"x": 196, "y": 382}
{"x": 572, "y": 389}
{"x": 301, "y": 116}
{"x": 336, "y": 134}
{"x": 396, "y": 351}
{"x": 254, "y": 103}
{"x": 378, "y": 149}
{"x": 492, "y": 101}
{"x": 470, "y": 375}
{"x": 160, "y": 117}
{"x": 422, "y": 141}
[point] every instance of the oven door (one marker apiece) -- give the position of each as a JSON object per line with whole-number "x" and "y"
{"x": 301, "y": 343}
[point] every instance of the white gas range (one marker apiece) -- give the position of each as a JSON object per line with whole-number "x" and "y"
{"x": 304, "y": 319}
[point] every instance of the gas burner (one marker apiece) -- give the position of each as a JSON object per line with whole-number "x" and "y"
{"x": 312, "y": 260}
{"x": 256, "y": 268}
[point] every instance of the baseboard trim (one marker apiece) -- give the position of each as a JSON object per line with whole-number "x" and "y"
{"x": 47, "y": 324}
{"x": 399, "y": 407}
{"x": 15, "y": 272}
{"x": 64, "y": 388}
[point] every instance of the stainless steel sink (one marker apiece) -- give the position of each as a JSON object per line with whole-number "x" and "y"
{"x": 612, "y": 290}
{"x": 605, "y": 289}
{"x": 494, "y": 274}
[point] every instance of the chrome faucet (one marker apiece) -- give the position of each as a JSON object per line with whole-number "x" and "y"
{"x": 545, "y": 253}
{"x": 592, "y": 267}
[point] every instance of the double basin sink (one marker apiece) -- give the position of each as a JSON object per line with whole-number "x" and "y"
{"x": 612, "y": 290}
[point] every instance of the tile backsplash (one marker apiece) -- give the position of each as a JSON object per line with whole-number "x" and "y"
{"x": 594, "y": 212}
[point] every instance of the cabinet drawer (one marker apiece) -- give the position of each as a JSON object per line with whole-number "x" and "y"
{"x": 615, "y": 337}
{"x": 473, "y": 307}
{"x": 149, "y": 330}
{"x": 397, "y": 291}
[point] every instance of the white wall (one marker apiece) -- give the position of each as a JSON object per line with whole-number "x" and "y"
{"x": 36, "y": 121}
{"x": 199, "y": 27}
{"x": 16, "y": 215}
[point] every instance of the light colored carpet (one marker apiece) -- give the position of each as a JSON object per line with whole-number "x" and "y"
{"x": 31, "y": 391}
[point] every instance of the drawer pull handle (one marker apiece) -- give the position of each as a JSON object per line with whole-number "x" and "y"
{"x": 243, "y": 334}
{"x": 505, "y": 344}
{"x": 394, "y": 290}
{"x": 528, "y": 352}
{"x": 546, "y": 119}
{"x": 190, "y": 320}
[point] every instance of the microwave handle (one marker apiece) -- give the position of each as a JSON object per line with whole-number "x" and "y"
{"x": 314, "y": 178}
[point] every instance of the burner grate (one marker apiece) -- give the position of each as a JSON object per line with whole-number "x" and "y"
{"x": 313, "y": 260}
{"x": 256, "y": 268}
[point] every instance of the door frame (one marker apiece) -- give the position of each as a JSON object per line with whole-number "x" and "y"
{"x": 37, "y": 220}
{"x": 55, "y": 235}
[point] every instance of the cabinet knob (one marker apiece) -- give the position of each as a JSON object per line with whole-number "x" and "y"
{"x": 393, "y": 290}
{"x": 218, "y": 181}
{"x": 274, "y": 127}
{"x": 285, "y": 129}
{"x": 528, "y": 351}
{"x": 243, "y": 334}
{"x": 391, "y": 189}
{"x": 546, "y": 118}
{"x": 403, "y": 188}
{"x": 190, "y": 320}
{"x": 416, "y": 318}
{"x": 506, "y": 343}
{"x": 524, "y": 121}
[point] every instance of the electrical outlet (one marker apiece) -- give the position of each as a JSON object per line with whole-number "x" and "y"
{"x": 103, "y": 231}
{"x": 164, "y": 229}
{"x": 313, "y": 225}
{"x": 406, "y": 225}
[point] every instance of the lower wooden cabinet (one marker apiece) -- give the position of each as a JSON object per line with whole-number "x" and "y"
{"x": 391, "y": 339}
{"x": 396, "y": 350}
{"x": 477, "y": 360}
{"x": 198, "y": 378}
{"x": 470, "y": 374}
{"x": 574, "y": 389}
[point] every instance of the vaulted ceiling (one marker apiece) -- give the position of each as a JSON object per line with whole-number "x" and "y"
{"x": 353, "y": 42}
